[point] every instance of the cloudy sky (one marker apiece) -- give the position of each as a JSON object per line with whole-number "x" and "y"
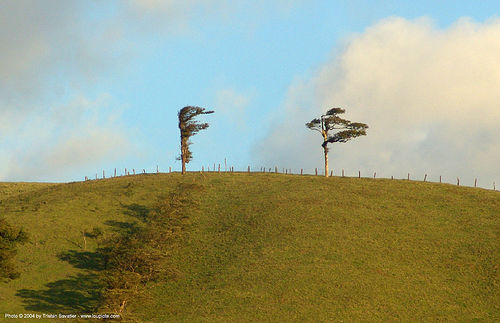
{"x": 87, "y": 86}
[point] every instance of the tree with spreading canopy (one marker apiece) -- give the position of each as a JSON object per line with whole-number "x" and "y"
{"x": 189, "y": 127}
{"x": 331, "y": 121}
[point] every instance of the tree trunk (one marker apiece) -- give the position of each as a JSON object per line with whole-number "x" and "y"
{"x": 183, "y": 159}
{"x": 325, "y": 148}
{"x": 183, "y": 165}
{"x": 324, "y": 133}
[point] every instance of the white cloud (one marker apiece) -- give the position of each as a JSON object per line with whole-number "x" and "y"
{"x": 48, "y": 54}
{"x": 55, "y": 162}
{"x": 179, "y": 16}
{"x": 46, "y": 47}
{"x": 232, "y": 105}
{"x": 174, "y": 16}
{"x": 431, "y": 98}
{"x": 27, "y": 30}
{"x": 55, "y": 143}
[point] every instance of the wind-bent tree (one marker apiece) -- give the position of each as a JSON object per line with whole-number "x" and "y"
{"x": 188, "y": 128}
{"x": 331, "y": 121}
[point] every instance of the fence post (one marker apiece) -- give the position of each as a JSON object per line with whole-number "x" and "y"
{"x": 286, "y": 171}
{"x": 248, "y": 169}
{"x": 316, "y": 170}
{"x": 264, "y": 169}
{"x": 359, "y": 174}
{"x": 439, "y": 178}
{"x": 392, "y": 177}
{"x": 331, "y": 173}
{"x": 458, "y": 181}
{"x": 157, "y": 170}
{"x": 475, "y": 182}
{"x": 115, "y": 172}
{"x": 103, "y": 174}
{"x": 301, "y": 171}
{"x": 425, "y": 177}
{"x": 494, "y": 188}
{"x": 408, "y": 176}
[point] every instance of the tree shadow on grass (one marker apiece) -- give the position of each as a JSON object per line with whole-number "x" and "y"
{"x": 93, "y": 261}
{"x": 124, "y": 228}
{"x": 80, "y": 293}
{"x": 138, "y": 211}
{"x": 77, "y": 294}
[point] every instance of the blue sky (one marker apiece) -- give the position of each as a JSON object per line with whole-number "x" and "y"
{"x": 88, "y": 86}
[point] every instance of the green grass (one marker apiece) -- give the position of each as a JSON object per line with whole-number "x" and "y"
{"x": 269, "y": 247}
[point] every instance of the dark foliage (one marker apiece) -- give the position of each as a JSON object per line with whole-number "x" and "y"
{"x": 10, "y": 237}
{"x": 331, "y": 121}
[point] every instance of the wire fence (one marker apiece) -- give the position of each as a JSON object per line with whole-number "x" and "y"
{"x": 217, "y": 168}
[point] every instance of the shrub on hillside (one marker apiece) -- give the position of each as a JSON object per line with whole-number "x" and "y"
{"x": 9, "y": 238}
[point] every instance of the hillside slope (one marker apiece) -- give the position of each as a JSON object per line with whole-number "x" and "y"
{"x": 267, "y": 247}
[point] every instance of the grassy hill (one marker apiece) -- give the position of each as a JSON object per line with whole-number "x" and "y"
{"x": 265, "y": 247}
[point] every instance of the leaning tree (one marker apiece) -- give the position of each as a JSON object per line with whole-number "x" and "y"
{"x": 189, "y": 127}
{"x": 330, "y": 122}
